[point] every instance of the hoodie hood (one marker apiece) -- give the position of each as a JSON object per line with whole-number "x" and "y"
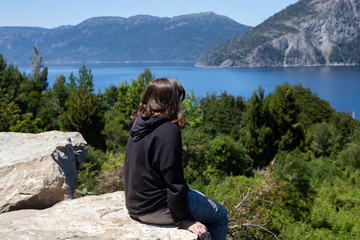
{"x": 142, "y": 127}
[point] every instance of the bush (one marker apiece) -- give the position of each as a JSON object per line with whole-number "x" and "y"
{"x": 246, "y": 199}
{"x": 90, "y": 168}
{"x": 294, "y": 171}
{"x": 226, "y": 156}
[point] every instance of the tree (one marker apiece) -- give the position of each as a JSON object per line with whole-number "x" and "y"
{"x": 13, "y": 118}
{"x": 284, "y": 110}
{"x": 110, "y": 96}
{"x": 222, "y": 113}
{"x": 191, "y": 110}
{"x": 9, "y": 113}
{"x": 61, "y": 93}
{"x": 345, "y": 125}
{"x": 31, "y": 90}
{"x": 121, "y": 103}
{"x": 10, "y": 79}
{"x": 39, "y": 76}
{"x": 260, "y": 142}
{"x": 115, "y": 130}
{"x": 85, "y": 80}
{"x": 324, "y": 139}
{"x": 226, "y": 156}
{"x": 84, "y": 110}
{"x": 312, "y": 108}
{"x": 130, "y": 95}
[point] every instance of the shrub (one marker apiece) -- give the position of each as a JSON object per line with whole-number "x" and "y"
{"x": 226, "y": 156}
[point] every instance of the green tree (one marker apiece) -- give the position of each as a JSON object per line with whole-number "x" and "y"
{"x": 222, "y": 113}
{"x": 115, "y": 130}
{"x": 260, "y": 142}
{"x": 84, "y": 111}
{"x": 10, "y": 79}
{"x": 110, "y": 96}
{"x": 61, "y": 93}
{"x": 191, "y": 110}
{"x": 121, "y": 102}
{"x": 52, "y": 104}
{"x": 72, "y": 86}
{"x": 130, "y": 95}
{"x": 27, "y": 124}
{"x": 345, "y": 125}
{"x": 9, "y": 113}
{"x": 284, "y": 110}
{"x": 85, "y": 80}
{"x": 312, "y": 108}
{"x": 324, "y": 139}
{"x": 226, "y": 156}
{"x": 195, "y": 145}
{"x": 13, "y": 118}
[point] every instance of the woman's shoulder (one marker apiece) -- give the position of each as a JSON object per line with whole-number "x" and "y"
{"x": 169, "y": 127}
{"x": 167, "y": 131}
{"x": 169, "y": 134}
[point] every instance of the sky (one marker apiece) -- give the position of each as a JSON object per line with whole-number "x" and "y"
{"x": 54, "y": 13}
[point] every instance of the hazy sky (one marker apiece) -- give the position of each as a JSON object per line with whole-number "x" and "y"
{"x": 54, "y": 13}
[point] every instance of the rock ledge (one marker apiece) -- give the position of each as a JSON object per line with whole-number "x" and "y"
{"x": 103, "y": 217}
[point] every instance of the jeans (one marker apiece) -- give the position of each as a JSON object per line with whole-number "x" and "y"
{"x": 210, "y": 213}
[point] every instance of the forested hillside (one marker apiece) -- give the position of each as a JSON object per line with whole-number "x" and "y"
{"x": 285, "y": 164}
{"x": 307, "y": 33}
{"x": 115, "y": 39}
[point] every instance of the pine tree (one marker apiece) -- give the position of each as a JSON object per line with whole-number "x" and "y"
{"x": 260, "y": 142}
{"x": 84, "y": 110}
{"x": 284, "y": 110}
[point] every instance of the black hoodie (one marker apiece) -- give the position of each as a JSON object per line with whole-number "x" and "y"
{"x": 153, "y": 171}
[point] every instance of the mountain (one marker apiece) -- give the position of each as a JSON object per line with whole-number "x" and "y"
{"x": 117, "y": 39}
{"x": 308, "y": 33}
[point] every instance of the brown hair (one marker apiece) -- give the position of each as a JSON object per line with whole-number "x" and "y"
{"x": 163, "y": 97}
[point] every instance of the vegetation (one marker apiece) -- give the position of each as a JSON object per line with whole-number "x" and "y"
{"x": 285, "y": 164}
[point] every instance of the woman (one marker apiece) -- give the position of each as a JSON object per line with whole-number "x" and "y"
{"x": 155, "y": 188}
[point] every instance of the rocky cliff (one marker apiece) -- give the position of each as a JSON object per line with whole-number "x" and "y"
{"x": 308, "y": 33}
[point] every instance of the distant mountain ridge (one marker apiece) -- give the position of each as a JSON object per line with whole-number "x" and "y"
{"x": 116, "y": 39}
{"x": 307, "y": 33}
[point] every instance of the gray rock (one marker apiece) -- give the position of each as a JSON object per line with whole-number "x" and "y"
{"x": 307, "y": 33}
{"x": 92, "y": 217}
{"x": 38, "y": 170}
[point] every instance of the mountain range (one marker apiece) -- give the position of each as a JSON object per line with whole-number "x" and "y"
{"x": 115, "y": 39}
{"x": 307, "y": 33}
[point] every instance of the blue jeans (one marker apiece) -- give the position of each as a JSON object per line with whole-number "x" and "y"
{"x": 210, "y": 213}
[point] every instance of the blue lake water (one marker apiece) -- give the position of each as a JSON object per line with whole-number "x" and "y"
{"x": 338, "y": 85}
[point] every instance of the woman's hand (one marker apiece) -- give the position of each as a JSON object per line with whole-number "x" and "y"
{"x": 199, "y": 229}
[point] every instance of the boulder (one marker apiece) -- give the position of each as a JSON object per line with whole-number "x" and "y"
{"x": 38, "y": 170}
{"x": 88, "y": 218}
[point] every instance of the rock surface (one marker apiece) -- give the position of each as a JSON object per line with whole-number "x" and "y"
{"x": 38, "y": 170}
{"x": 92, "y": 217}
{"x": 308, "y": 33}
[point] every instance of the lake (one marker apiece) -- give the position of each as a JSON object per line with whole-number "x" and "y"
{"x": 338, "y": 85}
